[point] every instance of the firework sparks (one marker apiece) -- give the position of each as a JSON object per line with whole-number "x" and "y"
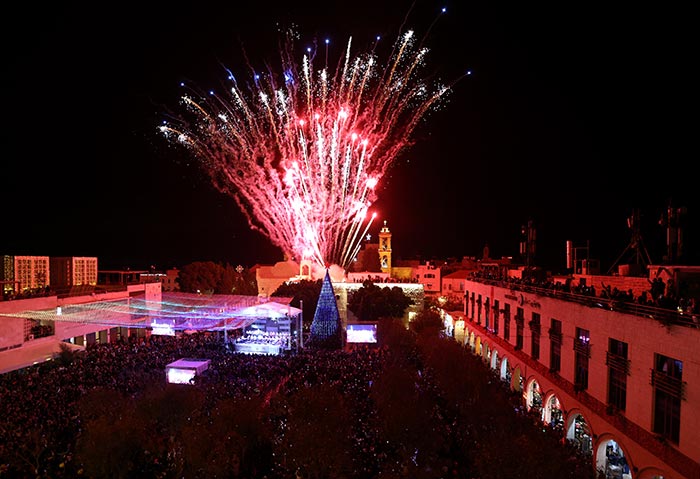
{"x": 303, "y": 150}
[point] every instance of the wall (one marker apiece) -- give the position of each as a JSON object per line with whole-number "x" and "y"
{"x": 645, "y": 336}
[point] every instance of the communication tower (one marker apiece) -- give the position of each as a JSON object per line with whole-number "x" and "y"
{"x": 636, "y": 247}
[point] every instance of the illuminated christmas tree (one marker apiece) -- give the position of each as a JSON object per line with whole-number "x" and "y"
{"x": 326, "y": 330}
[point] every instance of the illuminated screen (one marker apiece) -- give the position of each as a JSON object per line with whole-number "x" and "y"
{"x": 180, "y": 376}
{"x": 361, "y": 333}
{"x": 163, "y": 328}
{"x": 185, "y": 369}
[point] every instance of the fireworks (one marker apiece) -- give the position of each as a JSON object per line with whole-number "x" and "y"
{"x": 303, "y": 149}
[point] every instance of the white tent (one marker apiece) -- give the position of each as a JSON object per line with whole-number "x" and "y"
{"x": 270, "y": 310}
{"x": 180, "y": 311}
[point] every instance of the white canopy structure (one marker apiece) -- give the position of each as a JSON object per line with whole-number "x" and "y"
{"x": 179, "y": 311}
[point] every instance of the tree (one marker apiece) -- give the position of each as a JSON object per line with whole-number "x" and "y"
{"x": 447, "y": 303}
{"x": 245, "y": 282}
{"x": 393, "y": 335}
{"x": 427, "y": 321}
{"x": 306, "y": 291}
{"x": 201, "y": 276}
{"x": 396, "y": 302}
{"x": 227, "y": 283}
{"x": 208, "y": 277}
{"x": 372, "y": 302}
{"x": 367, "y": 260}
{"x": 66, "y": 355}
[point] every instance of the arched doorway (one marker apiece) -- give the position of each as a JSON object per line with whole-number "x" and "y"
{"x": 611, "y": 460}
{"x": 505, "y": 373}
{"x": 494, "y": 360}
{"x": 516, "y": 380}
{"x": 552, "y": 413}
{"x": 477, "y": 348}
{"x": 533, "y": 395}
{"x": 579, "y": 434}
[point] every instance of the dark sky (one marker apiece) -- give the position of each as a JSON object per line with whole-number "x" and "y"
{"x": 574, "y": 116}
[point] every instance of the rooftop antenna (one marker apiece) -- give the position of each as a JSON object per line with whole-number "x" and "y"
{"x": 636, "y": 244}
{"x": 527, "y": 244}
{"x": 674, "y": 232}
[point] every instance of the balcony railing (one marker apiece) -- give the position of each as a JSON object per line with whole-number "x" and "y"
{"x": 617, "y": 362}
{"x": 555, "y": 335}
{"x": 583, "y": 348}
{"x": 668, "y": 384}
{"x": 666, "y": 316}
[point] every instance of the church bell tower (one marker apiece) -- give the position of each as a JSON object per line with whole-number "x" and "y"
{"x": 385, "y": 249}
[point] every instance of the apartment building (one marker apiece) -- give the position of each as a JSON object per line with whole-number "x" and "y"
{"x": 70, "y": 272}
{"x": 23, "y": 274}
{"x": 621, "y": 379}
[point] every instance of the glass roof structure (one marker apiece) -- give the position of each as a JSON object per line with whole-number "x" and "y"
{"x": 179, "y": 311}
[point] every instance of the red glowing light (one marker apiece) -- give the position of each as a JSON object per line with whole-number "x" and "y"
{"x": 286, "y": 148}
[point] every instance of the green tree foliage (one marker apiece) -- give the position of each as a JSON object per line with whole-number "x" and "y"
{"x": 427, "y": 321}
{"x": 393, "y": 335}
{"x": 306, "y": 292}
{"x": 372, "y": 302}
{"x": 201, "y": 276}
{"x": 367, "y": 260}
{"x": 227, "y": 283}
{"x": 245, "y": 282}
{"x": 449, "y": 303}
{"x": 364, "y": 302}
{"x": 396, "y": 302}
{"x": 33, "y": 452}
{"x": 66, "y": 355}
{"x": 208, "y": 277}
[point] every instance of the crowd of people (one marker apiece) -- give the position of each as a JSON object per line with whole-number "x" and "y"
{"x": 264, "y": 337}
{"x": 264, "y": 342}
{"x": 41, "y": 420}
{"x": 42, "y": 406}
{"x": 659, "y": 295}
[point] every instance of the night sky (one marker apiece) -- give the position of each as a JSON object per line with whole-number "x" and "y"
{"x": 573, "y": 116}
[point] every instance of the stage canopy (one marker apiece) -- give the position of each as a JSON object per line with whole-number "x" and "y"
{"x": 178, "y": 311}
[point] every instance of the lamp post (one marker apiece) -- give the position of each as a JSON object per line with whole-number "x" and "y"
{"x": 301, "y": 323}
{"x": 226, "y": 332}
